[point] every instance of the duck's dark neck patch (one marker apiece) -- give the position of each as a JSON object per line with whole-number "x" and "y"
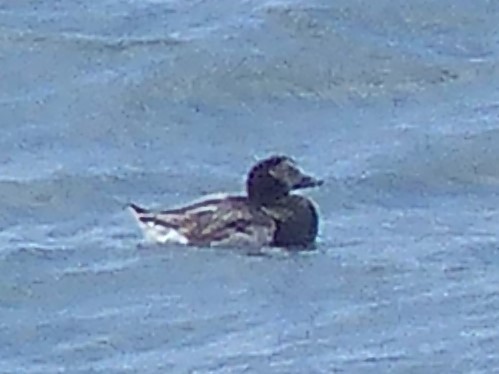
{"x": 296, "y": 222}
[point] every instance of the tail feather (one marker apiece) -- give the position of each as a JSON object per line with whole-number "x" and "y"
{"x": 151, "y": 218}
{"x": 137, "y": 209}
{"x": 157, "y": 229}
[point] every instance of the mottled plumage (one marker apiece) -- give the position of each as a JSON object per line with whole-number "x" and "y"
{"x": 215, "y": 221}
{"x": 269, "y": 215}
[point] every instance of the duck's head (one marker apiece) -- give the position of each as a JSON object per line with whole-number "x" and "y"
{"x": 275, "y": 177}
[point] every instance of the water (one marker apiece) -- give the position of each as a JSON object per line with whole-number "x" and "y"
{"x": 394, "y": 103}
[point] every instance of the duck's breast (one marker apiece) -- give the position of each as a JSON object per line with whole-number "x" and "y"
{"x": 296, "y": 222}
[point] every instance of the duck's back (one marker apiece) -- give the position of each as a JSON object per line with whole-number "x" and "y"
{"x": 215, "y": 221}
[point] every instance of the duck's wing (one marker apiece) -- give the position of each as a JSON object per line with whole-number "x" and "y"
{"x": 234, "y": 223}
{"x": 214, "y": 222}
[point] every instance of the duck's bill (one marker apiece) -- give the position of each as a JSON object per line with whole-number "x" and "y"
{"x": 307, "y": 181}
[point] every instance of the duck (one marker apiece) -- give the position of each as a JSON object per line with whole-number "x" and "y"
{"x": 269, "y": 215}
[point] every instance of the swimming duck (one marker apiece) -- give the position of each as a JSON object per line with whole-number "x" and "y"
{"x": 269, "y": 215}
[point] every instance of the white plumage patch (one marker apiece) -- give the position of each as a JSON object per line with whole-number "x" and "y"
{"x": 162, "y": 234}
{"x": 207, "y": 197}
{"x": 203, "y": 209}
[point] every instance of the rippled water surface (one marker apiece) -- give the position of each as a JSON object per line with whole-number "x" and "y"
{"x": 394, "y": 103}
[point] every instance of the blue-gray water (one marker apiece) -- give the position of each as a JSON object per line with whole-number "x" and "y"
{"x": 394, "y": 103}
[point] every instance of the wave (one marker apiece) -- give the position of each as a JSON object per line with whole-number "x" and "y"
{"x": 94, "y": 41}
{"x": 460, "y": 159}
